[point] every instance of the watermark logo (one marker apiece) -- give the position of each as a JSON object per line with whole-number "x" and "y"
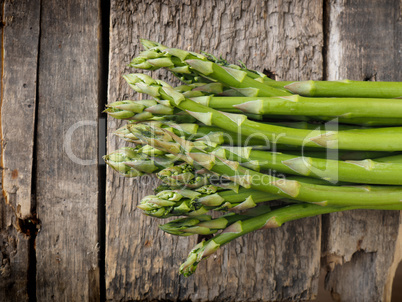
{"x": 71, "y": 138}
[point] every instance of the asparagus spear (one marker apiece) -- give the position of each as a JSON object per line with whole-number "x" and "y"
{"x": 117, "y": 161}
{"x": 298, "y": 105}
{"x": 355, "y": 171}
{"x": 206, "y": 225}
{"x": 344, "y": 155}
{"x": 319, "y": 194}
{"x": 177, "y": 60}
{"x": 397, "y": 158}
{"x": 189, "y": 77}
{"x": 220, "y": 61}
{"x": 380, "y": 171}
{"x": 378, "y": 139}
{"x": 137, "y": 110}
{"x": 215, "y": 134}
{"x": 371, "y": 122}
{"x": 358, "y": 121}
{"x": 170, "y": 203}
{"x": 146, "y": 110}
{"x": 132, "y": 162}
{"x": 197, "y": 132}
{"x": 272, "y": 219}
{"x": 347, "y": 88}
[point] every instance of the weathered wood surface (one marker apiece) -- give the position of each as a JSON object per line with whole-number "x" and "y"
{"x": 67, "y": 151}
{"x": 141, "y": 262}
{"x": 14, "y": 251}
{"x": 19, "y": 51}
{"x": 363, "y": 248}
{"x": 51, "y": 60}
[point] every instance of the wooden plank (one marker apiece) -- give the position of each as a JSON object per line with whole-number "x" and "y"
{"x": 67, "y": 151}
{"x": 14, "y": 255}
{"x": 19, "y": 51}
{"x": 141, "y": 262}
{"x": 363, "y": 247}
{"x": 18, "y": 101}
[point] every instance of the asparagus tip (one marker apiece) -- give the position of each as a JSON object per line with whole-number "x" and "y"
{"x": 204, "y": 67}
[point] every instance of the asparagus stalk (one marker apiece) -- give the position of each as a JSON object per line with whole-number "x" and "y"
{"x": 195, "y": 132}
{"x": 194, "y": 78}
{"x": 132, "y": 162}
{"x": 117, "y": 161}
{"x": 170, "y": 203}
{"x": 137, "y": 110}
{"x": 272, "y": 219}
{"x": 298, "y": 105}
{"x": 370, "y": 122}
{"x": 206, "y": 225}
{"x": 379, "y": 139}
{"x": 146, "y": 110}
{"x": 220, "y": 61}
{"x": 355, "y": 171}
{"x": 347, "y": 88}
{"x": 293, "y": 189}
{"x": 344, "y": 155}
{"x": 177, "y": 60}
{"x": 319, "y": 194}
{"x": 397, "y": 158}
{"x": 359, "y": 121}
{"x": 387, "y": 171}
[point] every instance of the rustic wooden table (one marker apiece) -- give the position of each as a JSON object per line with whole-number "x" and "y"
{"x": 71, "y": 232}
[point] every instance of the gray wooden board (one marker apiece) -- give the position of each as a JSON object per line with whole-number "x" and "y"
{"x": 141, "y": 262}
{"x": 362, "y": 247}
{"x": 20, "y": 36}
{"x": 67, "y": 172}
{"x": 21, "y": 20}
{"x": 13, "y": 257}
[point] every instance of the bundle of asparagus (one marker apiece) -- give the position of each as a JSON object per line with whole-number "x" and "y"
{"x": 230, "y": 139}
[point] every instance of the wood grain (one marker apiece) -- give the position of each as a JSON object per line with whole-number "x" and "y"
{"x": 284, "y": 37}
{"x": 67, "y": 172}
{"x": 21, "y": 19}
{"x": 19, "y": 52}
{"x": 14, "y": 251}
{"x": 363, "y": 247}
